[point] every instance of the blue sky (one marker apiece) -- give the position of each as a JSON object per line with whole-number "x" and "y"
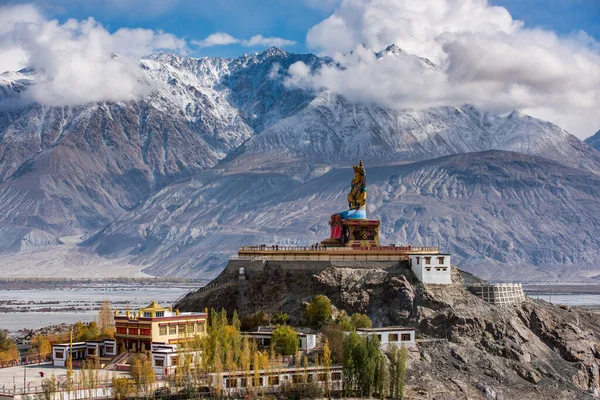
{"x": 288, "y": 19}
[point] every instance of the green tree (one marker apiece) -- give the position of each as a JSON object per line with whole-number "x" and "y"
{"x": 86, "y": 332}
{"x": 345, "y": 322}
{"x": 362, "y": 357}
{"x": 318, "y": 311}
{"x": 285, "y": 340}
{"x": 401, "y": 372}
{"x": 382, "y": 378}
{"x": 361, "y": 321}
{"x": 280, "y": 318}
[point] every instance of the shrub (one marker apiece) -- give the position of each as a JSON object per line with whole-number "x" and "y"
{"x": 319, "y": 311}
{"x": 361, "y": 321}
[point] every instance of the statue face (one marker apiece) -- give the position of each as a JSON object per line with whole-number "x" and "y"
{"x": 357, "y": 177}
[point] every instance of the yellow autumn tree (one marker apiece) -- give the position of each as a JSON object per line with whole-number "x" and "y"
{"x": 8, "y": 348}
{"x": 42, "y": 345}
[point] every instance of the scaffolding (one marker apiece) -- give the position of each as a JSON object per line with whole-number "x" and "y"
{"x": 499, "y": 294}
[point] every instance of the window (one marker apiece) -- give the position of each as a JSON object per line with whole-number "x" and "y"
{"x": 172, "y": 330}
{"x": 336, "y": 376}
{"x": 427, "y": 268}
{"x": 231, "y": 382}
{"x": 427, "y": 260}
{"x": 133, "y": 331}
{"x": 379, "y": 338}
{"x": 405, "y": 337}
{"x": 147, "y": 314}
{"x": 393, "y": 337}
{"x": 418, "y": 260}
{"x": 273, "y": 380}
{"x": 441, "y": 260}
{"x": 258, "y": 382}
{"x": 297, "y": 378}
{"x": 122, "y": 330}
{"x": 244, "y": 382}
{"x": 159, "y": 314}
{"x": 182, "y": 329}
{"x": 145, "y": 332}
{"x": 190, "y": 328}
{"x": 322, "y": 377}
{"x": 162, "y": 330}
{"x": 108, "y": 349}
{"x": 59, "y": 354}
{"x": 159, "y": 362}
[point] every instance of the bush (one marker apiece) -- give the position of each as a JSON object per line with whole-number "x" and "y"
{"x": 319, "y": 311}
{"x": 361, "y": 321}
{"x": 285, "y": 340}
{"x": 280, "y": 318}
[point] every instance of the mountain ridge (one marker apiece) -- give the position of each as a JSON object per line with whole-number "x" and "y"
{"x": 80, "y": 169}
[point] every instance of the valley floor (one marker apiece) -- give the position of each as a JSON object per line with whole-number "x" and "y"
{"x": 66, "y": 261}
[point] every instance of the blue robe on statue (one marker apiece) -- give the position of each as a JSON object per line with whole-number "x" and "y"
{"x": 361, "y": 213}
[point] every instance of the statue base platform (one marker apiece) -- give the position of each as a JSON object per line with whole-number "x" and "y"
{"x": 361, "y": 232}
{"x": 356, "y": 233}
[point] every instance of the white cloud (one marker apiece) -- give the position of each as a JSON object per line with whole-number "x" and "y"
{"x": 483, "y": 57}
{"x": 216, "y": 39}
{"x": 224, "y": 39}
{"x": 79, "y": 61}
{"x": 260, "y": 40}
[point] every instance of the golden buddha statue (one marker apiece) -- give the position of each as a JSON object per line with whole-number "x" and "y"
{"x": 357, "y": 198}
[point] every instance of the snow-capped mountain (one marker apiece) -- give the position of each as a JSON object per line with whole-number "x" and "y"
{"x": 332, "y": 129}
{"x": 219, "y": 135}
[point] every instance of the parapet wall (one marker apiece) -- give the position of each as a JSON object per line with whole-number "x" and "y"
{"x": 499, "y": 294}
{"x": 253, "y": 266}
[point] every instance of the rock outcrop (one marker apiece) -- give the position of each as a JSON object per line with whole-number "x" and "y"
{"x": 467, "y": 348}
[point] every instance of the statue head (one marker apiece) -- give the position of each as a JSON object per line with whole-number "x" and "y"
{"x": 359, "y": 172}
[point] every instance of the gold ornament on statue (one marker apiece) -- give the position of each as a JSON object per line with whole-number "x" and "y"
{"x": 357, "y": 198}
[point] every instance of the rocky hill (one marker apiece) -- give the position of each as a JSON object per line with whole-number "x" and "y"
{"x": 469, "y": 348}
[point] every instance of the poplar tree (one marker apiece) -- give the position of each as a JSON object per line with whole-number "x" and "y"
{"x": 401, "y": 372}
{"x": 327, "y": 364}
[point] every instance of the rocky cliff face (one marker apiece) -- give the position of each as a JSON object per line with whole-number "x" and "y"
{"x": 469, "y": 348}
